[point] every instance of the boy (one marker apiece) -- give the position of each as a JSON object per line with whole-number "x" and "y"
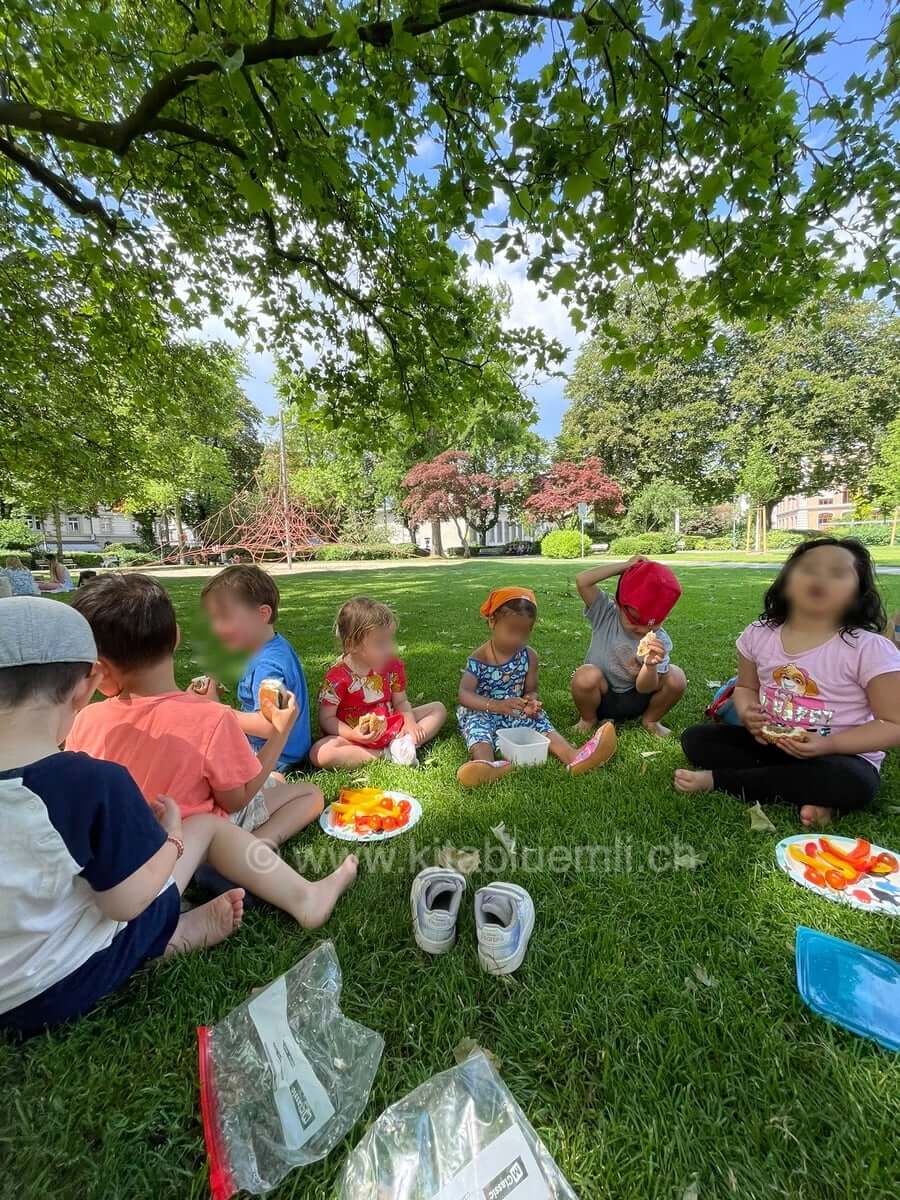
{"x": 177, "y": 743}
{"x": 242, "y": 603}
{"x": 90, "y": 875}
{"x": 616, "y": 683}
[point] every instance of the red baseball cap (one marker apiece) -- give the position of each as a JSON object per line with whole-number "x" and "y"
{"x": 649, "y": 592}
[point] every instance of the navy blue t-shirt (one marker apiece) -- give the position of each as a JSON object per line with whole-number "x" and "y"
{"x": 278, "y": 660}
{"x": 71, "y": 827}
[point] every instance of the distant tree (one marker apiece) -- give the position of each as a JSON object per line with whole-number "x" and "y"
{"x": 450, "y": 487}
{"x": 16, "y": 534}
{"x": 884, "y": 479}
{"x": 761, "y": 483}
{"x": 655, "y": 505}
{"x": 567, "y": 484}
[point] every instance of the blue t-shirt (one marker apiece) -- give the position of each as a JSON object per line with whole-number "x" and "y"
{"x": 278, "y": 660}
{"x": 71, "y": 827}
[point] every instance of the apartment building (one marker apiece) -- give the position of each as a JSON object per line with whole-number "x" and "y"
{"x": 828, "y": 507}
{"x": 86, "y": 532}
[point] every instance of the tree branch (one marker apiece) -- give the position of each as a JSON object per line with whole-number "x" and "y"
{"x": 73, "y": 199}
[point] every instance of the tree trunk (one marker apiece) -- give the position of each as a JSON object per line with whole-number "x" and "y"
{"x": 747, "y": 533}
{"x": 57, "y": 527}
{"x": 764, "y": 518}
{"x": 437, "y": 545}
{"x": 179, "y": 534}
{"x": 894, "y": 525}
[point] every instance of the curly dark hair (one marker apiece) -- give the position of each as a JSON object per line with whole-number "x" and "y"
{"x": 866, "y": 611}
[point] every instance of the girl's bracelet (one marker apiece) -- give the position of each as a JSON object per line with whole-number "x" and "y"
{"x": 177, "y": 843}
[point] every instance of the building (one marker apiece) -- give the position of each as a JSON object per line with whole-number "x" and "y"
{"x": 86, "y": 532}
{"x": 507, "y": 529}
{"x": 828, "y": 507}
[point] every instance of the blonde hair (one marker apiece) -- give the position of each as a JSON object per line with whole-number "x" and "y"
{"x": 14, "y": 563}
{"x": 358, "y": 617}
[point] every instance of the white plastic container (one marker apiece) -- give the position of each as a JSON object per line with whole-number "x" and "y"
{"x": 524, "y": 747}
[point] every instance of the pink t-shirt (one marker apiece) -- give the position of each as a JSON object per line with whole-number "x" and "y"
{"x": 177, "y": 745}
{"x": 823, "y": 689}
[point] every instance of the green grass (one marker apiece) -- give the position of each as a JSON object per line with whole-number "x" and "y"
{"x": 638, "y": 1075}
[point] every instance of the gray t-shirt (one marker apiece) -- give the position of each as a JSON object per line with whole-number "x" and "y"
{"x": 613, "y": 649}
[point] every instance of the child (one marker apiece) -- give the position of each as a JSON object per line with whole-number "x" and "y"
{"x": 814, "y": 661}
{"x": 615, "y": 681}
{"x": 91, "y": 875}
{"x": 177, "y": 743}
{"x": 242, "y": 603}
{"x": 364, "y": 711}
{"x": 499, "y": 690}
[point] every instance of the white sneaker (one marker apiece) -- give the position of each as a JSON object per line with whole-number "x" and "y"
{"x": 402, "y": 751}
{"x": 435, "y": 899}
{"x": 504, "y": 919}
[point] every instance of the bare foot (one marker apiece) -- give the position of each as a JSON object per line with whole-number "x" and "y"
{"x": 208, "y": 924}
{"x": 656, "y": 728}
{"x": 321, "y": 896}
{"x": 584, "y": 726}
{"x": 813, "y": 816}
{"x": 693, "y": 781}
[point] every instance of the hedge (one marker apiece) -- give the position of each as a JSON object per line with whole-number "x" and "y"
{"x": 645, "y": 543}
{"x": 784, "y": 539}
{"x": 562, "y": 543}
{"x": 343, "y": 553}
{"x": 867, "y": 532}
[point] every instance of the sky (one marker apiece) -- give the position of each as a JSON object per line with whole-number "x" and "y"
{"x": 862, "y": 19}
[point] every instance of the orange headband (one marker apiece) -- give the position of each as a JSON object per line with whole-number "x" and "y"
{"x": 501, "y": 596}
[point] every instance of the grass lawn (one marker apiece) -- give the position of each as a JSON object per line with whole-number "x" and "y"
{"x": 654, "y": 1034}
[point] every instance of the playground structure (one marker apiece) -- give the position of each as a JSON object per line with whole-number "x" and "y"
{"x": 264, "y": 524}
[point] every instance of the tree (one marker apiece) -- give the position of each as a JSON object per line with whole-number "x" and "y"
{"x": 451, "y": 487}
{"x": 761, "y": 484}
{"x": 568, "y": 484}
{"x": 218, "y": 141}
{"x": 15, "y": 534}
{"x": 655, "y": 505}
{"x": 884, "y": 480}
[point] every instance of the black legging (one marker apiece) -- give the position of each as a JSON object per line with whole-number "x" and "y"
{"x": 761, "y": 774}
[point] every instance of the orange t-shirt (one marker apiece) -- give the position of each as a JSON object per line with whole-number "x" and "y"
{"x": 177, "y": 745}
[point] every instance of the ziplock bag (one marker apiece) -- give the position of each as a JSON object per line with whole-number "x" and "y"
{"x": 460, "y": 1136}
{"x": 283, "y": 1078}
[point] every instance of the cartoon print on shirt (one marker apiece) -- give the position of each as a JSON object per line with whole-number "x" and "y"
{"x": 791, "y": 702}
{"x": 793, "y": 679}
{"x": 372, "y": 687}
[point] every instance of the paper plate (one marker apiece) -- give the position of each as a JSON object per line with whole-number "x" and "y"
{"x": 873, "y": 893}
{"x": 343, "y": 834}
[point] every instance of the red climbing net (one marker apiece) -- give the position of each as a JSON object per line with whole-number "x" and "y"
{"x": 258, "y": 523}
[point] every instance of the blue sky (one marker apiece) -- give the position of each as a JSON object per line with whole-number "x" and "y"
{"x": 862, "y": 20}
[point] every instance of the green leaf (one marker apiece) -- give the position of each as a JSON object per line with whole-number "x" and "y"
{"x": 485, "y": 251}
{"x": 254, "y": 193}
{"x": 576, "y": 187}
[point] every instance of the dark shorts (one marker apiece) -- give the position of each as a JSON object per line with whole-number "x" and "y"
{"x": 623, "y": 706}
{"x": 143, "y": 938}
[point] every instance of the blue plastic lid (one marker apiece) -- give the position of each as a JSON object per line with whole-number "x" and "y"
{"x": 850, "y": 985}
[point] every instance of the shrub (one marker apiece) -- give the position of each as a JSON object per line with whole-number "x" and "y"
{"x": 644, "y": 543}
{"x": 691, "y": 541}
{"x": 84, "y": 558}
{"x": 341, "y": 552}
{"x": 718, "y": 543}
{"x": 868, "y": 532}
{"x": 16, "y": 534}
{"x": 562, "y": 543}
{"x": 784, "y": 539}
{"x": 24, "y": 555}
{"x": 128, "y": 556}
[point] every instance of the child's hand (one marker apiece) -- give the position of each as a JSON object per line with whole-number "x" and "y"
{"x": 812, "y": 747}
{"x": 532, "y": 706}
{"x": 514, "y": 706}
{"x": 754, "y": 718}
{"x": 413, "y": 728}
{"x": 168, "y": 814}
{"x": 362, "y": 738}
{"x": 656, "y": 652}
{"x": 283, "y": 719}
{"x": 635, "y": 558}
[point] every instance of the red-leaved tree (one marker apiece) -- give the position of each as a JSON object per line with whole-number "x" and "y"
{"x": 568, "y": 484}
{"x": 450, "y": 488}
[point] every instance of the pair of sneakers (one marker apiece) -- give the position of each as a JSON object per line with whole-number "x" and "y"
{"x": 504, "y": 918}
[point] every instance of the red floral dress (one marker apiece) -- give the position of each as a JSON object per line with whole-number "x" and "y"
{"x": 353, "y": 696}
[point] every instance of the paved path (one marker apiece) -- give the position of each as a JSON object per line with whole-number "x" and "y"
{"x": 418, "y": 564}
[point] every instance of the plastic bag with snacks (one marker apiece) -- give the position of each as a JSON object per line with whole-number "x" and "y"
{"x": 283, "y": 1078}
{"x": 460, "y": 1136}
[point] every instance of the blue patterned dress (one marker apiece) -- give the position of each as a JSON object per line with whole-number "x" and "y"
{"x": 499, "y": 683}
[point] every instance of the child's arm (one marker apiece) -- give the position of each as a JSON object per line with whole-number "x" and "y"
{"x": 255, "y": 724}
{"x": 129, "y": 898}
{"x": 468, "y": 697}
{"x": 532, "y": 700}
{"x": 401, "y": 704}
{"x": 647, "y": 678}
{"x": 746, "y": 698}
{"x": 283, "y": 720}
{"x": 883, "y": 733}
{"x": 329, "y": 723}
{"x": 587, "y": 581}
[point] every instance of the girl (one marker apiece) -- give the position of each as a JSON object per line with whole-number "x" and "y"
{"x": 816, "y": 666}
{"x": 60, "y": 580}
{"x": 363, "y": 708}
{"x": 499, "y": 690}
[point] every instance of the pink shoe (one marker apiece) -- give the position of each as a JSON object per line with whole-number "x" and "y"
{"x": 598, "y": 749}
